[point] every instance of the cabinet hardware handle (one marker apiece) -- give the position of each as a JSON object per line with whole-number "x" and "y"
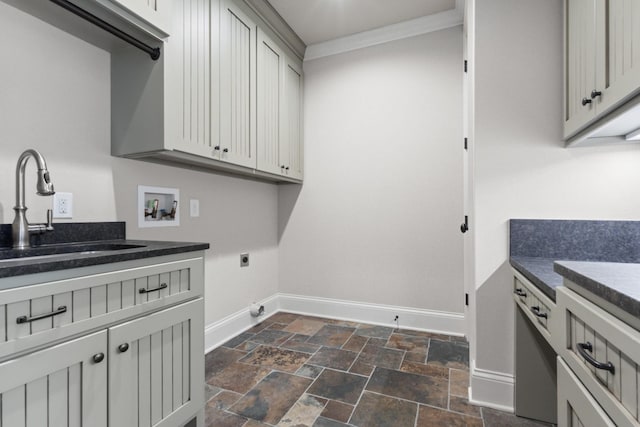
{"x": 282, "y": 167}
{"x": 98, "y": 358}
{"x": 217, "y": 147}
{"x": 536, "y": 310}
{"x": 287, "y": 168}
{"x": 226, "y": 150}
{"x": 520, "y": 292}
{"x": 25, "y": 319}
{"x": 123, "y": 347}
{"x": 159, "y": 288}
{"x": 586, "y": 101}
{"x": 595, "y": 94}
{"x": 583, "y": 347}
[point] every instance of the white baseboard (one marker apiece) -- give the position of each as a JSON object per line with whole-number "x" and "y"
{"x": 376, "y": 314}
{"x": 491, "y": 389}
{"x": 221, "y": 331}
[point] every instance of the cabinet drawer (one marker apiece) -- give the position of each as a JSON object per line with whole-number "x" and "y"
{"x": 538, "y": 307}
{"x": 35, "y": 315}
{"x": 594, "y": 337}
{"x": 576, "y": 407}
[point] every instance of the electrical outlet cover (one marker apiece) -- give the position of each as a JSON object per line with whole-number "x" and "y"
{"x": 63, "y": 205}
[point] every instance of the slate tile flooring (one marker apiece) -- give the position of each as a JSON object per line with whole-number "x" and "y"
{"x": 294, "y": 370}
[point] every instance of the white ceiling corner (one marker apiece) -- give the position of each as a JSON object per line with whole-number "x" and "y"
{"x": 330, "y": 27}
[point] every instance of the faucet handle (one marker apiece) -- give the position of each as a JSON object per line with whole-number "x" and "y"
{"x": 49, "y": 226}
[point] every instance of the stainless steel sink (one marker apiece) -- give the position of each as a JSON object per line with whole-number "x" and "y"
{"x": 63, "y": 251}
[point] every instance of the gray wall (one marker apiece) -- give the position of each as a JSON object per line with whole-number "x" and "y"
{"x": 522, "y": 169}
{"x": 378, "y": 217}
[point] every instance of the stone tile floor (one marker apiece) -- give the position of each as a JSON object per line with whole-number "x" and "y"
{"x": 293, "y": 370}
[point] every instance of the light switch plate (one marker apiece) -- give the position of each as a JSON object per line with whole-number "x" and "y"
{"x": 63, "y": 205}
{"x": 194, "y": 208}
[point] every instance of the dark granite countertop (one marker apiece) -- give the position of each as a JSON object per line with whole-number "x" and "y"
{"x": 540, "y": 272}
{"x": 94, "y": 244}
{"x": 616, "y": 283}
{"x": 143, "y": 249}
{"x": 534, "y": 246}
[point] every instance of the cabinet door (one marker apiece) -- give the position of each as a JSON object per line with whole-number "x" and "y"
{"x": 576, "y": 407}
{"x": 157, "y": 368}
{"x": 580, "y": 63}
{"x": 191, "y": 119}
{"x": 237, "y": 86}
{"x": 618, "y": 71}
{"x": 292, "y": 150}
{"x": 154, "y": 12}
{"x": 270, "y": 86}
{"x": 63, "y": 385}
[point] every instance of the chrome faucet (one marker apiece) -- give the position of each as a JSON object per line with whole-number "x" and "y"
{"x": 21, "y": 229}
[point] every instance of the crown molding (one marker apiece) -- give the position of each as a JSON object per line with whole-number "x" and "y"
{"x": 399, "y": 31}
{"x": 278, "y": 25}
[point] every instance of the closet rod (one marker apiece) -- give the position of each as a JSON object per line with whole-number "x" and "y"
{"x": 154, "y": 52}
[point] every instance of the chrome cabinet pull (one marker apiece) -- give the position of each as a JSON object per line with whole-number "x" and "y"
{"x": 98, "y": 358}
{"x": 595, "y": 94}
{"x": 123, "y": 347}
{"x": 583, "y": 347}
{"x": 586, "y": 101}
{"x": 159, "y": 288}
{"x": 536, "y": 310}
{"x": 520, "y": 292}
{"x": 25, "y": 319}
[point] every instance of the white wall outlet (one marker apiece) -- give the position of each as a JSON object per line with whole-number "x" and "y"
{"x": 63, "y": 205}
{"x": 194, "y": 208}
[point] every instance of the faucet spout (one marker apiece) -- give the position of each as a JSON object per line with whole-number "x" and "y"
{"x": 21, "y": 228}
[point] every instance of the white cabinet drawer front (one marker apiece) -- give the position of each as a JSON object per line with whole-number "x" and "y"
{"x": 576, "y": 407}
{"x": 604, "y": 354}
{"x": 539, "y": 307}
{"x": 60, "y": 386}
{"x": 157, "y": 367}
{"x": 34, "y": 315}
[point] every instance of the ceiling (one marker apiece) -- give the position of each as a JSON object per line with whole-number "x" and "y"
{"x": 317, "y": 21}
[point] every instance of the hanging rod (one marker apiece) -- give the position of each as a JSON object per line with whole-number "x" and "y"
{"x": 154, "y": 52}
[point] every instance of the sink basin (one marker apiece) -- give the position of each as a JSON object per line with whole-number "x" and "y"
{"x": 59, "y": 251}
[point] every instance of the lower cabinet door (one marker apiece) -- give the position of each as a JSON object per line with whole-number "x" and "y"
{"x": 156, "y": 368}
{"x": 576, "y": 406}
{"x": 63, "y": 385}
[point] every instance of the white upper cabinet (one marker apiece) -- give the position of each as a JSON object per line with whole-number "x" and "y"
{"x": 270, "y": 75}
{"x": 225, "y": 95}
{"x": 293, "y": 148}
{"x": 154, "y": 12}
{"x": 618, "y": 76}
{"x": 191, "y": 58}
{"x": 602, "y": 59}
{"x": 238, "y": 89}
{"x": 580, "y": 63}
{"x": 279, "y": 111}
